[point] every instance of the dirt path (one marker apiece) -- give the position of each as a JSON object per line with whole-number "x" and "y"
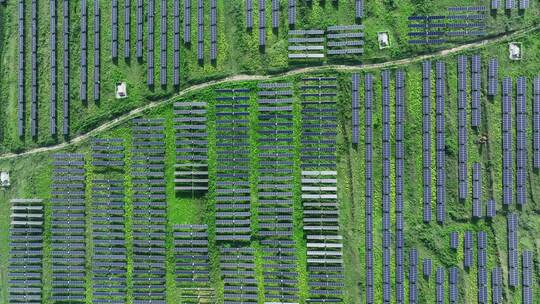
{"x": 243, "y": 77}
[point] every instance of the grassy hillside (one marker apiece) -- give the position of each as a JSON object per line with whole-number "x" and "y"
{"x": 31, "y": 178}
{"x": 238, "y": 52}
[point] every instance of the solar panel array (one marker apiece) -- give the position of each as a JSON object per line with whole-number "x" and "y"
{"x": 481, "y": 279}
{"x": 292, "y": 13}
{"x": 439, "y": 285}
{"x": 275, "y": 14}
{"x": 150, "y": 43}
{"x": 97, "y": 49}
{"x": 453, "y": 280}
{"x": 109, "y": 256}
{"x": 262, "y": 23}
{"x": 163, "y": 44}
{"x": 521, "y": 141}
{"x": 355, "y": 108}
{"x": 306, "y": 44}
{"x": 345, "y": 39}
{"x": 359, "y": 9}
{"x": 238, "y": 274}
{"x": 213, "y": 30}
{"x": 462, "y": 128}
{"x": 513, "y": 251}
{"x": 191, "y": 169}
{"x": 527, "y": 276}
{"x": 68, "y": 228}
{"x": 34, "y": 72}
{"x": 114, "y": 30}
{"x": 496, "y": 286}
{"x": 523, "y": 4}
{"x": 21, "y": 79}
{"x": 399, "y": 172}
{"x": 249, "y": 14}
{"x": 192, "y": 262}
{"x": 494, "y": 4}
{"x": 440, "y": 143}
{"x": 386, "y": 191}
{"x": 319, "y": 188}
{"x": 127, "y": 29}
{"x": 426, "y": 139}
{"x": 200, "y": 30}
{"x": 438, "y": 29}
{"x": 413, "y": 276}
{"x": 470, "y": 24}
{"x": 25, "y": 251}
{"x": 507, "y": 182}
{"x": 426, "y": 29}
{"x": 65, "y": 44}
{"x": 233, "y": 170}
{"x": 368, "y": 190}
{"x": 176, "y": 43}
{"x": 468, "y": 245}
{"x": 476, "y": 191}
{"x": 275, "y": 190}
{"x": 84, "y": 61}
{"x": 140, "y": 29}
{"x": 493, "y": 76}
{"x": 476, "y": 87}
{"x": 536, "y": 123}
{"x": 149, "y": 210}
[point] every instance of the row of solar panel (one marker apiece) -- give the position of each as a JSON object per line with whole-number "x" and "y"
{"x": 462, "y": 127}
{"x": 507, "y": 182}
{"x": 512, "y": 233}
{"x": 426, "y": 141}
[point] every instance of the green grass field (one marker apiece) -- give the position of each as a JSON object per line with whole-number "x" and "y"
{"x": 31, "y": 178}
{"x": 238, "y": 52}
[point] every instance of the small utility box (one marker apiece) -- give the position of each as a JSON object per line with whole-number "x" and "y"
{"x": 515, "y": 51}
{"x": 383, "y": 39}
{"x": 4, "y": 179}
{"x": 121, "y": 90}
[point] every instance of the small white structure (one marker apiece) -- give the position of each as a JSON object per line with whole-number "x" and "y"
{"x": 383, "y": 39}
{"x": 121, "y": 90}
{"x": 515, "y": 51}
{"x": 4, "y": 179}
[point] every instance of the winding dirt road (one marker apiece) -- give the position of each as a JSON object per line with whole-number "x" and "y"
{"x": 243, "y": 77}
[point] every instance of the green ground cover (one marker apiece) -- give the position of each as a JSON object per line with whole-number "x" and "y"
{"x": 238, "y": 53}
{"x": 31, "y": 178}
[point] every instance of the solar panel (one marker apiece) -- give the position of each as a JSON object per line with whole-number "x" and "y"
{"x": 163, "y": 43}
{"x": 510, "y": 4}
{"x": 426, "y": 267}
{"x": 114, "y": 30}
{"x": 187, "y": 21}
{"x": 292, "y": 12}
{"x": 97, "y": 50}
{"x": 359, "y": 8}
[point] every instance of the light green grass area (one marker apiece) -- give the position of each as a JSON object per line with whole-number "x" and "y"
{"x": 31, "y": 177}
{"x": 238, "y": 52}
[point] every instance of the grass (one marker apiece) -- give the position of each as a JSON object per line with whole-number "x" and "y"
{"x": 238, "y": 53}
{"x": 31, "y": 178}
